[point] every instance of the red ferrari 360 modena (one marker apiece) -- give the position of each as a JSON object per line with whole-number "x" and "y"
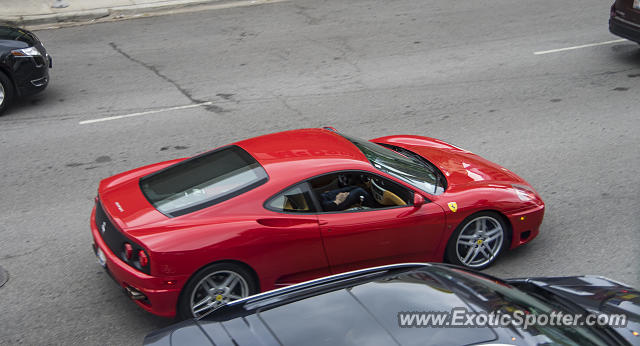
{"x": 184, "y": 236}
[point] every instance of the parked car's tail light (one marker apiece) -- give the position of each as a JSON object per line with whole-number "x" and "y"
{"x": 525, "y": 193}
{"x": 128, "y": 251}
{"x": 30, "y": 51}
{"x": 142, "y": 258}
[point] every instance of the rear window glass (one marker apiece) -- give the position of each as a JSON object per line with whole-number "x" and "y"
{"x": 203, "y": 181}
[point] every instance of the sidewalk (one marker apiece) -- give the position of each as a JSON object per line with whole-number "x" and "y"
{"x": 35, "y": 12}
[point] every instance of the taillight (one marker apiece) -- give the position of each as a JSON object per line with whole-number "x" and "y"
{"x": 128, "y": 251}
{"x": 142, "y": 258}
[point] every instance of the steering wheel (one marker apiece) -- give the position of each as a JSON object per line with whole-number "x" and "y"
{"x": 384, "y": 196}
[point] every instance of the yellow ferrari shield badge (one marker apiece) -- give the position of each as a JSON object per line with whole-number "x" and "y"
{"x": 453, "y": 206}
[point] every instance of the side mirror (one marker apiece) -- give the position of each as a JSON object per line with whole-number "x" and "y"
{"x": 418, "y": 200}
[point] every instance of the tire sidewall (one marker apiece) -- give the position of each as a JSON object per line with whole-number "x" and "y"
{"x": 8, "y": 92}
{"x": 184, "y": 304}
{"x": 450, "y": 253}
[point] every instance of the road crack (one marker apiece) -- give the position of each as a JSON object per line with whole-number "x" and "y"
{"x": 29, "y": 252}
{"x": 304, "y": 12}
{"x": 152, "y": 68}
{"x": 286, "y": 105}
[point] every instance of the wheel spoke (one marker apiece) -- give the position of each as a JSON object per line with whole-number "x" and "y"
{"x": 211, "y": 285}
{"x": 475, "y": 253}
{"x": 494, "y": 231}
{"x": 484, "y": 224}
{"x": 469, "y": 253}
{"x": 467, "y": 243}
{"x": 205, "y": 308}
{"x": 492, "y": 252}
{"x": 494, "y": 237}
{"x": 463, "y": 236}
{"x": 233, "y": 283}
{"x": 484, "y": 252}
{"x": 227, "y": 281}
{"x": 203, "y": 301}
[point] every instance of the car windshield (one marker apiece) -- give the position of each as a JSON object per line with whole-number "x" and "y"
{"x": 203, "y": 181}
{"x": 9, "y": 33}
{"x": 352, "y": 312}
{"x": 497, "y": 296}
{"x": 406, "y": 166}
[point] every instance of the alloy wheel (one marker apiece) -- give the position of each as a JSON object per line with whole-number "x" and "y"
{"x": 217, "y": 289}
{"x": 480, "y": 241}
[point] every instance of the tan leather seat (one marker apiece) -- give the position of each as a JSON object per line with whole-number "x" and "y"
{"x": 295, "y": 203}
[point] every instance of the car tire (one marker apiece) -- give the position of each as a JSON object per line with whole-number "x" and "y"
{"x": 478, "y": 241}
{"x": 6, "y": 92}
{"x": 199, "y": 297}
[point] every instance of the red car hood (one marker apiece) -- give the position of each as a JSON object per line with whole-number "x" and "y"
{"x": 458, "y": 165}
{"x": 123, "y": 201}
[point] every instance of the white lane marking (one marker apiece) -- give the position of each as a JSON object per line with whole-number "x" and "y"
{"x": 115, "y": 117}
{"x": 578, "y": 47}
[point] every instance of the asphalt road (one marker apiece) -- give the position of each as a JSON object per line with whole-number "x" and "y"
{"x": 464, "y": 72}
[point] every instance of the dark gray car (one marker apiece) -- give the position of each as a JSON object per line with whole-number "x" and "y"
{"x": 373, "y": 306}
{"x": 624, "y": 19}
{"x": 24, "y": 65}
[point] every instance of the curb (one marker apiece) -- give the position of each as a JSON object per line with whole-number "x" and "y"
{"x": 165, "y": 5}
{"x": 94, "y": 14}
{"x": 75, "y": 16}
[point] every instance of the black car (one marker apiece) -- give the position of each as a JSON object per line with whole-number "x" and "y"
{"x": 24, "y": 65}
{"x": 624, "y": 20}
{"x": 374, "y": 307}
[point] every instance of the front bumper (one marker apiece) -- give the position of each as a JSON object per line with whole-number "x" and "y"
{"x": 625, "y": 29}
{"x": 160, "y": 295}
{"x": 31, "y": 74}
{"x": 525, "y": 225}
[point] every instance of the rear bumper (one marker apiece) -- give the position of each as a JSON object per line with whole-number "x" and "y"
{"x": 160, "y": 298}
{"x": 625, "y": 29}
{"x": 525, "y": 225}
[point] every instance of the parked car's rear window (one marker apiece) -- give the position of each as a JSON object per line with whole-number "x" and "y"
{"x": 203, "y": 181}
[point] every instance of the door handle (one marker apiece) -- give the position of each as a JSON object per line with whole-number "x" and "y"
{"x": 284, "y": 222}
{"x": 323, "y": 222}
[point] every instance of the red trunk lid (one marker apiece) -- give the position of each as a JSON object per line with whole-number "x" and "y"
{"x": 123, "y": 200}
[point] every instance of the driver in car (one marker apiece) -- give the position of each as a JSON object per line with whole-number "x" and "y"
{"x": 345, "y": 197}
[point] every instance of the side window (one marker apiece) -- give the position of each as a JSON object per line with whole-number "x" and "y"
{"x": 295, "y": 199}
{"x": 349, "y": 191}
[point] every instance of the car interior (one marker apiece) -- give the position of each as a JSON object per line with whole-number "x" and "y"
{"x": 296, "y": 202}
{"x": 382, "y": 192}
